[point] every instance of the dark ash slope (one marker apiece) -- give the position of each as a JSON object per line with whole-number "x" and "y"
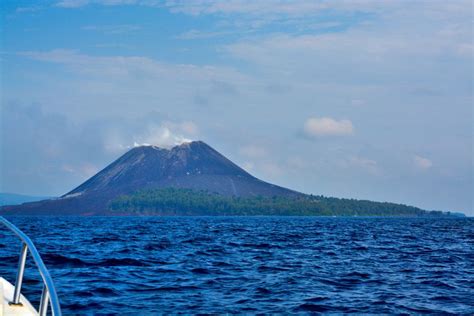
{"x": 192, "y": 165}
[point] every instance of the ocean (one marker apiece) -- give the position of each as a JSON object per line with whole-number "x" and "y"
{"x": 216, "y": 265}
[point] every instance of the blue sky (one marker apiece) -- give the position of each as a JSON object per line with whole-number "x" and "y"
{"x": 363, "y": 99}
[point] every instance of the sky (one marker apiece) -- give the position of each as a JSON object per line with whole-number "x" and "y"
{"x": 360, "y": 99}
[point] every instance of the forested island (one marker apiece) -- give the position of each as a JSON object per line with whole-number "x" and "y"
{"x": 195, "y": 179}
{"x": 173, "y": 201}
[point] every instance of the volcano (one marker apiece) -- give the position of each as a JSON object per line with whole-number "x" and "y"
{"x": 194, "y": 165}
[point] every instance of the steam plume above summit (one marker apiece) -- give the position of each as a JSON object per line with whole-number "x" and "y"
{"x": 162, "y": 137}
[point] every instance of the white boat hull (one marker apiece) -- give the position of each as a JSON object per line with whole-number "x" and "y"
{"x": 6, "y": 293}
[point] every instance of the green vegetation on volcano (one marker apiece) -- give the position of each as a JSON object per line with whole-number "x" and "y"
{"x": 172, "y": 201}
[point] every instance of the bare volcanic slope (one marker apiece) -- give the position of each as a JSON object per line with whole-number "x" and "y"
{"x": 193, "y": 165}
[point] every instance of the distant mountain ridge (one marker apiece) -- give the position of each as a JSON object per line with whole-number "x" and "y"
{"x": 14, "y": 199}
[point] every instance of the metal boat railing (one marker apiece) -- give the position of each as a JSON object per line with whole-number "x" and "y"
{"x": 49, "y": 294}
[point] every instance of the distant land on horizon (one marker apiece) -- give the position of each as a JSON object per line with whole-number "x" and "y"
{"x": 195, "y": 179}
{"x": 15, "y": 199}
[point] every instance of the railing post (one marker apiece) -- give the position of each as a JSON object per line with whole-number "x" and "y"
{"x": 43, "y": 309}
{"x": 19, "y": 275}
{"x": 49, "y": 299}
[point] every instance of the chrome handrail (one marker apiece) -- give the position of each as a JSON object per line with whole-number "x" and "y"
{"x": 49, "y": 292}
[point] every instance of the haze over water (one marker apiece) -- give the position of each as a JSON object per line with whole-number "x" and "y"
{"x": 151, "y": 265}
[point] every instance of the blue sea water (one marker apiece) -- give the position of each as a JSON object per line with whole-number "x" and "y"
{"x": 155, "y": 265}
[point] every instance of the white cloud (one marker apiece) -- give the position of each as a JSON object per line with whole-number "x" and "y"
{"x": 196, "y": 34}
{"x": 113, "y": 29}
{"x": 295, "y": 163}
{"x": 71, "y": 4}
{"x": 253, "y": 151}
{"x": 366, "y": 164}
{"x": 369, "y": 49}
{"x": 295, "y": 8}
{"x": 136, "y": 83}
{"x": 83, "y": 170}
{"x": 244, "y": 7}
{"x": 376, "y": 52}
{"x": 422, "y": 162}
{"x": 271, "y": 169}
{"x": 326, "y": 126}
{"x": 247, "y": 14}
{"x": 27, "y": 9}
{"x": 134, "y": 67}
{"x": 358, "y": 102}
